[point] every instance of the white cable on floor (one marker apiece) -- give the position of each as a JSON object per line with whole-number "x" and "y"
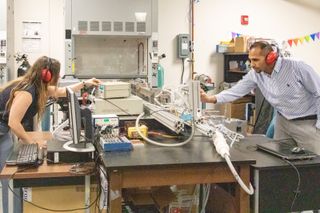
{"x": 158, "y": 143}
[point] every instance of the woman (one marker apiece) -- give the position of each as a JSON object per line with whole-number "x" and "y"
{"x": 23, "y": 98}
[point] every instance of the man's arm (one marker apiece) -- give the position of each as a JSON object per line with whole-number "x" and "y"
{"x": 242, "y": 88}
{"x": 207, "y": 98}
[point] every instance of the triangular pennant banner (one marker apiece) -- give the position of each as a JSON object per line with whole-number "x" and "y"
{"x": 295, "y": 41}
{"x": 307, "y": 38}
{"x": 301, "y": 40}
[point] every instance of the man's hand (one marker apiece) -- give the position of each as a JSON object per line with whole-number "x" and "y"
{"x": 206, "y": 98}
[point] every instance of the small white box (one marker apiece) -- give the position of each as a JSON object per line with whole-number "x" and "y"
{"x": 115, "y": 89}
{"x": 105, "y": 120}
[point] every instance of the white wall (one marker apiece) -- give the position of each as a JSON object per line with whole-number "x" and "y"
{"x": 173, "y": 19}
{"x": 51, "y": 15}
{"x": 3, "y": 14}
{"x": 216, "y": 19}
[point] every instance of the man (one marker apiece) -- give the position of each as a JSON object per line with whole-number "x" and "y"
{"x": 291, "y": 87}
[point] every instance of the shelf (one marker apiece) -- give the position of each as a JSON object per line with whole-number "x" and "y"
{"x": 235, "y": 71}
{"x": 239, "y": 60}
{"x": 233, "y": 53}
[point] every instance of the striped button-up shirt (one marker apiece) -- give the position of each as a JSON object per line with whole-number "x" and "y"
{"x": 293, "y": 89}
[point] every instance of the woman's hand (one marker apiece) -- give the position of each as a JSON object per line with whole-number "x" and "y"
{"x": 92, "y": 82}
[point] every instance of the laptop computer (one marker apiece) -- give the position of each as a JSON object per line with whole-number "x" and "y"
{"x": 26, "y": 159}
{"x": 283, "y": 149}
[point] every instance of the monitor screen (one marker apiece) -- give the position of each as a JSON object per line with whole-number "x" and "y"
{"x": 76, "y": 116}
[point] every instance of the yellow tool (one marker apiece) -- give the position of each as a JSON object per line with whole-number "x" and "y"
{"x": 133, "y": 133}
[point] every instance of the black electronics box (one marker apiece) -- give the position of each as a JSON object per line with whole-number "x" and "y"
{"x": 57, "y": 154}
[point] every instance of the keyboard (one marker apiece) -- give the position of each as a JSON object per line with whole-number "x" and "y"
{"x": 29, "y": 154}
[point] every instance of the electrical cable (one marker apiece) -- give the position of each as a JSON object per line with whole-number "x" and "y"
{"x": 297, "y": 191}
{"x": 118, "y": 107}
{"x": 61, "y": 126}
{"x": 249, "y": 190}
{"x": 223, "y": 149}
{"x": 233, "y": 141}
{"x": 158, "y": 143}
{"x": 206, "y": 194}
{"x": 181, "y": 79}
{"x": 231, "y": 135}
{"x": 59, "y": 135}
{"x": 156, "y": 100}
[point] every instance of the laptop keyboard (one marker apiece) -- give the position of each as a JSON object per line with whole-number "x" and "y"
{"x": 29, "y": 154}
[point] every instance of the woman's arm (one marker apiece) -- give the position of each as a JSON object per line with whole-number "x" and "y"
{"x": 57, "y": 92}
{"x": 20, "y": 104}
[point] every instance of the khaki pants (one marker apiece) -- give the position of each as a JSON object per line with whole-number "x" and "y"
{"x": 304, "y": 132}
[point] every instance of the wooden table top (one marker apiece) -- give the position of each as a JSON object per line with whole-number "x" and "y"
{"x": 42, "y": 171}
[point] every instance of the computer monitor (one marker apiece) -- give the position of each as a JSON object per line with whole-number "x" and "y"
{"x": 79, "y": 143}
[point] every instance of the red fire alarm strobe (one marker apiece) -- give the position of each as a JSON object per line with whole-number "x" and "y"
{"x": 244, "y": 19}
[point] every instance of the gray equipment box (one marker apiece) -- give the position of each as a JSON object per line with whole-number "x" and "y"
{"x": 120, "y": 106}
{"x": 114, "y": 90}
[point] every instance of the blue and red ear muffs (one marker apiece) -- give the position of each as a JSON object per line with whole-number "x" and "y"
{"x": 271, "y": 57}
{"x": 46, "y": 74}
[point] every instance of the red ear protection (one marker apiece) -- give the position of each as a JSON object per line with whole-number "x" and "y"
{"x": 271, "y": 57}
{"x": 46, "y": 74}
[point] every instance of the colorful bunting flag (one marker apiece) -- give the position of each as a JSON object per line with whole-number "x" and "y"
{"x": 307, "y": 38}
{"x": 301, "y": 40}
{"x": 313, "y": 36}
{"x": 233, "y": 34}
{"x": 295, "y": 41}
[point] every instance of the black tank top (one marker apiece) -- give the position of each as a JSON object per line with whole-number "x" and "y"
{"x": 31, "y": 111}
